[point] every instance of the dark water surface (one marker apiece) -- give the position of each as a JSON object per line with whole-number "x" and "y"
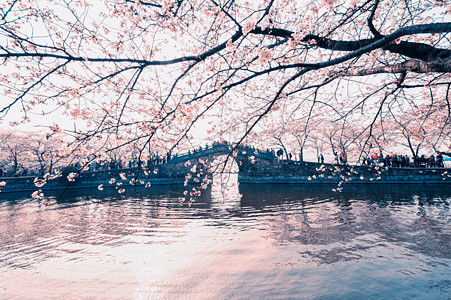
{"x": 276, "y": 242}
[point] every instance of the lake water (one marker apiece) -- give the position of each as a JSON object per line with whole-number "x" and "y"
{"x": 276, "y": 242}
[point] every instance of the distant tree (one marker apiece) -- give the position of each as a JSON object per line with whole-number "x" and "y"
{"x": 44, "y": 152}
{"x": 14, "y": 150}
{"x": 422, "y": 128}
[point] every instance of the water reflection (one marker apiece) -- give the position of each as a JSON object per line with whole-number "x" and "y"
{"x": 273, "y": 242}
{"x": 415, "y": 217}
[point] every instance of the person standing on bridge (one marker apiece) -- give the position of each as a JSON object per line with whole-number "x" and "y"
{"x": 440, "y": 160}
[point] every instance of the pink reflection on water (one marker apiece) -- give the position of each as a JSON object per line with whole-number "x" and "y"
{"x": 153, "y": 248}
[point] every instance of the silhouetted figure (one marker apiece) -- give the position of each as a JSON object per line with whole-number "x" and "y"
{"x": 440, "y": 160}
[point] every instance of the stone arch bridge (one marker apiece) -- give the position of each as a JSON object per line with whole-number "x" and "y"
{"x": 255, "y": 166}
{"x": 247, "y": 158}
{"x": 263, "y": 166}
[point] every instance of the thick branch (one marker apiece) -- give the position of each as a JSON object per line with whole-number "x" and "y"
{"x": 370, "y": 20}
{"x": 413, "y": 65}
{"x": 144, "y": 62}
{"x": 420, "y": 51}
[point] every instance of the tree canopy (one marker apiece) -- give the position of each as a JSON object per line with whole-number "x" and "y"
{"x": 153, "y": 73}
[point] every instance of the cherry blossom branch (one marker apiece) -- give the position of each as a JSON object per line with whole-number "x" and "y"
{"x": 413, "y": 50}
{"x": 5, "y": 109}
{"x": 137, "y": 75}
{"x": 373, "y": 30}
{"x": 5, "y": 14}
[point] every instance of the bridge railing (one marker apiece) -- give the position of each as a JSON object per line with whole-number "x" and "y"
{"x": 222, "y": 149}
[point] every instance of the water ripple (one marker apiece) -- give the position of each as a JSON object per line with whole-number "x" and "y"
{"x": 275, "y": 242}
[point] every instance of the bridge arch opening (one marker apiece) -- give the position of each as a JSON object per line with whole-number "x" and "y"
{"x": 224, "y": 164}
{"x": 224, "y": 188}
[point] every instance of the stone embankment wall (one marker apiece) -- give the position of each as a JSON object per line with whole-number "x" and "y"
{"x": 117, "y": 178}
{"x": 306, "y": 172}
{"x": 252, "y": 169}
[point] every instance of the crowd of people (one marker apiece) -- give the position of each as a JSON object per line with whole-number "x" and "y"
{"x": 91, "y": 166}
{"x": 115, "y": 164}
{"x": 22, "y": 171}
{"x": 389, "y": 160}
{"x": 404, "y": 161}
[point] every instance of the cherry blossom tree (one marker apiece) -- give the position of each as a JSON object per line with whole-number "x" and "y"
{"x": 155, "y": 72}
{"x": 44, "y": 152}
{"x": 318, "y": 137}
{"x": 13, "y": 151}
{"x": 33, "y": 151}
{"x": 422, "y": 129}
